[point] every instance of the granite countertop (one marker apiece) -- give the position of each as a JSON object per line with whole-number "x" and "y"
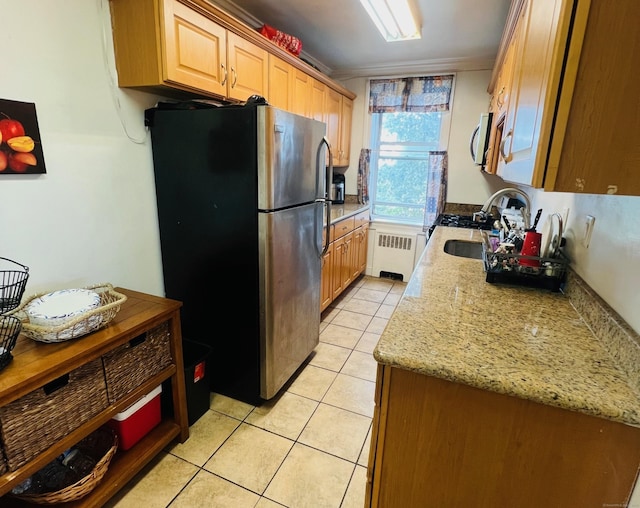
{"x": 525, "y": 342}
{"x": 345, "y": 210}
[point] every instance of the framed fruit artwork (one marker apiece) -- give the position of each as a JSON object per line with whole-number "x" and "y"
{"x": 20, "y": 145}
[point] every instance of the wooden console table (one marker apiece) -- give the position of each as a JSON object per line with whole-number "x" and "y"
{"x": 35, "y": 364}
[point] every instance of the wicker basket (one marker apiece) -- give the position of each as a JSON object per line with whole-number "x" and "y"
{"x": 33, "y": 423}
{"x": 13, "y": 280}
{"x": 123, "y": 365}
{"x": 9, "y": 330}
{"x": 85, "y": 485}
{"x": 110, "y": 302}
{"x": 3, "y": 463}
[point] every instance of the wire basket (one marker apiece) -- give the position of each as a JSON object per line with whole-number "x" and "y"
{"x": 87, "y": 322}
{"x": 101, "y": 445}
{"x": 13, "y": 280}
{"x": 10, "y": 327}
{"x": 531, "y": 271}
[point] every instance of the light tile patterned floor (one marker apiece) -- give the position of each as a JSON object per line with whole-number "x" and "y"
{"x": 307, "y": 448}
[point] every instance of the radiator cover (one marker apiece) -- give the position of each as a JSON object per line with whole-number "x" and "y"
{"x": 396, "y": 251}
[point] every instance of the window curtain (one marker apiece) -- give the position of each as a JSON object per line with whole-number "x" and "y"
{"x": 363, "y": 176}
{"x": 414, "y": 95}
{"x": 436, "y": 187}
{"x": 419, "y": 95}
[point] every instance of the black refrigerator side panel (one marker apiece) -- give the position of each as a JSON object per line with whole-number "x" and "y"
{"x": 205, "y": 173}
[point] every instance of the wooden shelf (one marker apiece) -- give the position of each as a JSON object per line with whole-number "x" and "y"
{"x": 36, "y": 364}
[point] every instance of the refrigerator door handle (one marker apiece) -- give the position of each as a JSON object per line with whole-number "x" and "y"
{"x": 325, "y": 198}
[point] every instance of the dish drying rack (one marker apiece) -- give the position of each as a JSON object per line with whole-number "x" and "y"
{"x": 13, "y": 281}
{"x": 502, "y": 267}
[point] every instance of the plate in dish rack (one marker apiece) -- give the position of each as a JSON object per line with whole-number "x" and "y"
{"x": 55, "y": 309}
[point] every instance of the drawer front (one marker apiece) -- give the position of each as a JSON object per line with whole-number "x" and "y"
{"x": 131, "y": 364}
{"x": 343, "y": 227}
{"x": 33, "y": 423}
{"x": 361, "y": 219}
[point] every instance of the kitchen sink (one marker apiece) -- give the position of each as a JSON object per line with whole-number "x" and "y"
{"x": 464, "y": 248}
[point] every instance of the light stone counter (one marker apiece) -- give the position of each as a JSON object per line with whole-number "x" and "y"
{"x": 529, "y": 343}
{"x": 345, "y": 210}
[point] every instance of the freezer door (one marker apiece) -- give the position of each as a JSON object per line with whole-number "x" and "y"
{"x": 288, "y": 173}
{"x": 289, "y": 293}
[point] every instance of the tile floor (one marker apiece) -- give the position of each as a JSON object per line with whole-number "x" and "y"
{"x": 308, "y": 447}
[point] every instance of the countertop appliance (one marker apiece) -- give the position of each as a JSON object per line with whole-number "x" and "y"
{"x": 479, "y": 142}
{"x": 337, "y": 189}
{"x": 241, "y": 192}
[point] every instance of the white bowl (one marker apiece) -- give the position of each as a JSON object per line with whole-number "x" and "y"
{"x": 59, "y": 307}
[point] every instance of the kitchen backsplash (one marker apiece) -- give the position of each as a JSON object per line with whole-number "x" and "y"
{"x": 622, "y": 342}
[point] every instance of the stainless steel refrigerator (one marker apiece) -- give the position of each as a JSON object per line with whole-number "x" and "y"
{"x": 242, "y": 199}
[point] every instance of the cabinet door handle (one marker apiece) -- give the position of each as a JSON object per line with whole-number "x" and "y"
{"x": 224, "y": 80}
{"x": 235, "y": 77}
{"x": 509, "y": 157}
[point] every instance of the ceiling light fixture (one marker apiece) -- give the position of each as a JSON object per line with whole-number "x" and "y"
{"x": 393, "y": 18}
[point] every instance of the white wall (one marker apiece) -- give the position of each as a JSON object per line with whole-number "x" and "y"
{"x": 467, "y": 184}
{"x": 611, "y": 263}
{"x": 92, "y": 217}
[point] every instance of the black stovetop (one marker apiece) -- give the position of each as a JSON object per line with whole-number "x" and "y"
{"x": 463, "y": 221}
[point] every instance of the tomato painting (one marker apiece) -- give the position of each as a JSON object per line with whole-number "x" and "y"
{"x": 20, "y": 145}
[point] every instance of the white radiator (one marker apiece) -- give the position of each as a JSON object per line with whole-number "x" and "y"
{"x": 395, "y": 250}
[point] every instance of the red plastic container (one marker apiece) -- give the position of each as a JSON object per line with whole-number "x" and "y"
{"x": 137, "y": 420}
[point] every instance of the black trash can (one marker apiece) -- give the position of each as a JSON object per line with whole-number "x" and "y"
{"x": 197, "y": 379}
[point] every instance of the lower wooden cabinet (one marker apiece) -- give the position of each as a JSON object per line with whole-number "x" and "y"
{"x": 341, "y": 273}
{"x": 359, "y": 254}
{"x": 436, "y": 443}
{"x": 346, "y": 257}
{"x": 326, "y": 292}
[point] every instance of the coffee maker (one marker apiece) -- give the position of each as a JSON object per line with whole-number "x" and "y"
{"x": 337, "y": 189}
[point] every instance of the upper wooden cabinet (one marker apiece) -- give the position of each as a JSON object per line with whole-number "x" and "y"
{"x": 280, "y": 76}
{"x": 600, "y": 151}
{"x": 191, "y": 48}
{"x": 248, "y": 68}
{"x": 301, "y": 93}
{"x": 165, "y": 46}
{"x": 498, "y": 106}
{"x": 572, "y": 118}
{"x": 339, "y": 111}
{"x": 195, "y": 51}
{"x": 318, "y": 100}
{"x": 344, "y": 146}
{"x": 537, "y": 53}
{"x": 290, "y": 88}
{"x": 333, "y": 101}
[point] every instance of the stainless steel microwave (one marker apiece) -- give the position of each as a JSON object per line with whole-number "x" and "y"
{"x": 479, "y": 142}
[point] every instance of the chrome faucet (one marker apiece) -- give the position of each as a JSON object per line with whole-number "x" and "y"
{"x": 484, "y": 213}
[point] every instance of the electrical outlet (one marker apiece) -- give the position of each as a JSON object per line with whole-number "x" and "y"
{"x": 588, "y": 230}
{"x": 565, "y": 216}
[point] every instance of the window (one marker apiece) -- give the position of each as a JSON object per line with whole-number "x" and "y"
{"x": 410, "y": 120}
{"x": 400, "y": 145}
